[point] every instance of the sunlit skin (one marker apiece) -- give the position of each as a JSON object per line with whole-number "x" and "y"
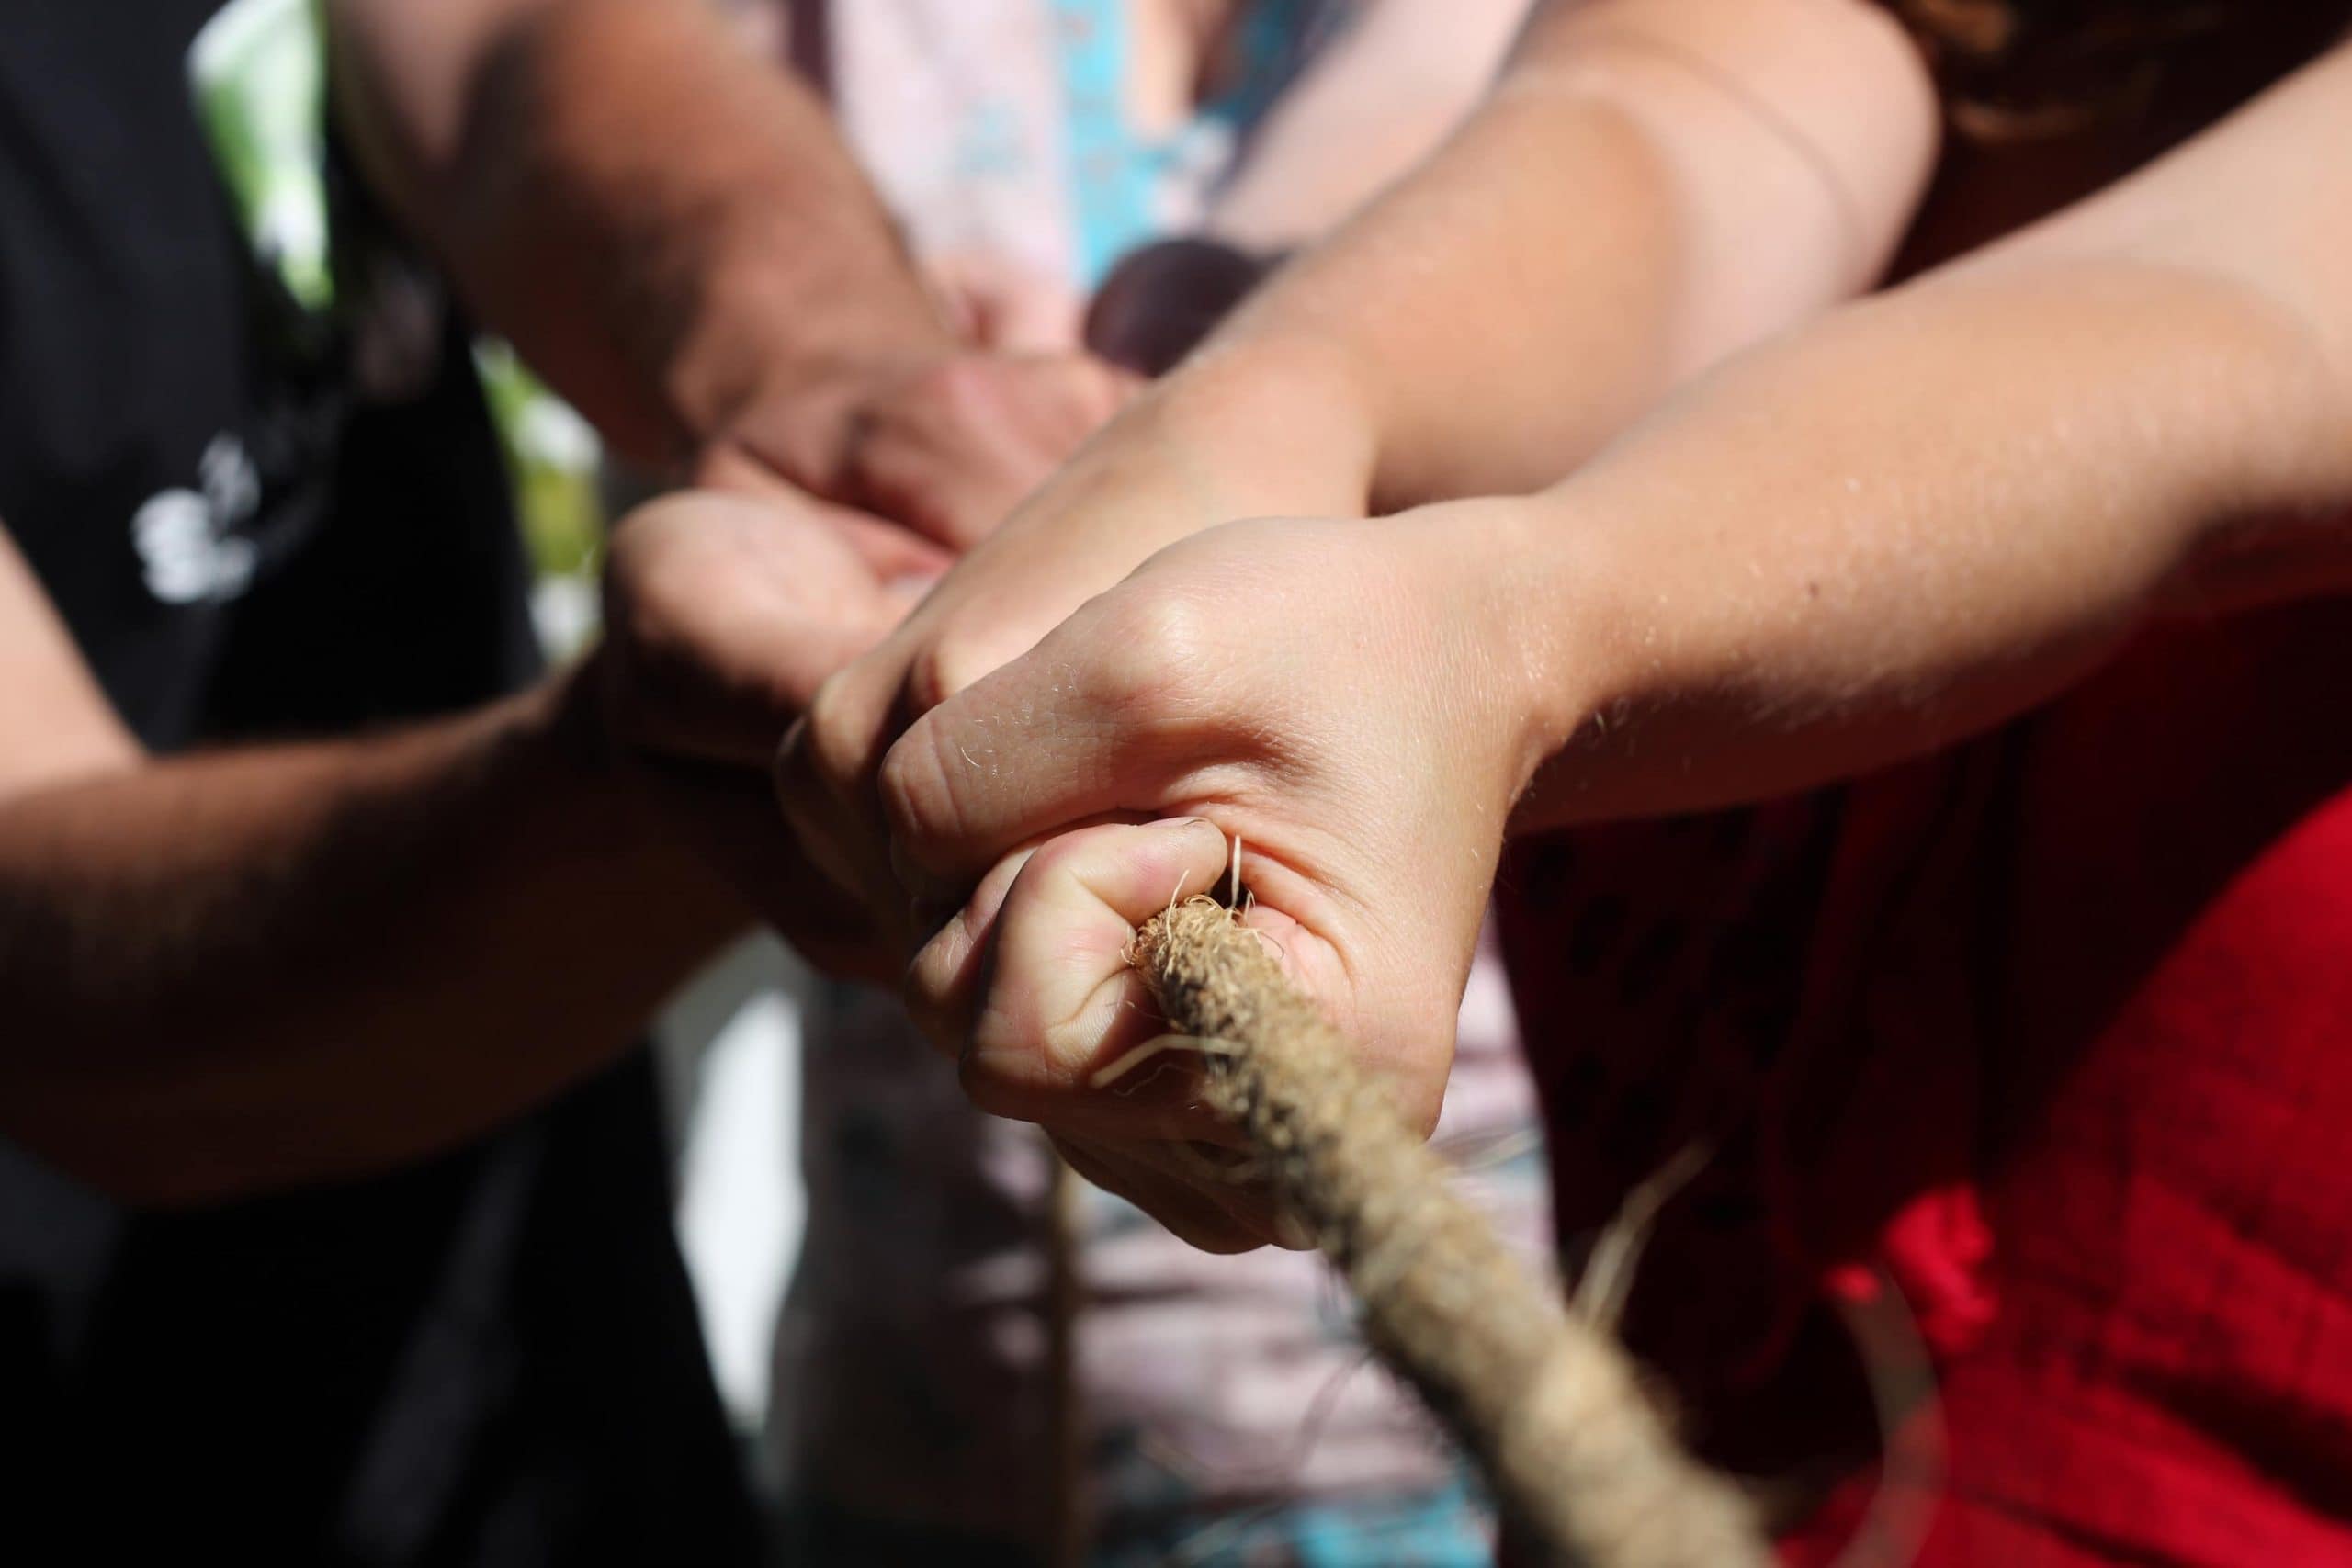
{"x": 1914, "y": 517}
{"x": 1414, "y": 355}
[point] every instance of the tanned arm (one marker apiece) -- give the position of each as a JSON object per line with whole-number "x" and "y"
{"x": 666, "y": 225}
{"x": 270, "y": 964}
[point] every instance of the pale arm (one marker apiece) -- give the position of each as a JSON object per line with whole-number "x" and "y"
{"x": 1654, "y": 184}
{"x": 1370, "y": 105}
{"x": 1651, "y": 185}
{"x": 1924, "y": 515}
{"x": 1938, "y": 507}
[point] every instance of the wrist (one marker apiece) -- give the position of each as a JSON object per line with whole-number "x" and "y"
{"x": 755, "y": 343}
{"x": 1473, "y": 569}
{"x": 1284, "y": 424}
{"x": 1534, "y": 590}
{"x": 561, "y": 720}
{"x": 1223, "y": 441}
{"x": 561, "y": 734}
{"x": 585, "y": 786}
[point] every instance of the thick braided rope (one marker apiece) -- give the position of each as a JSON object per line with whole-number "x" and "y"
{"x": 1545, "y": 1403}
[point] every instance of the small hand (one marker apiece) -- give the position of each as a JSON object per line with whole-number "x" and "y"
{"x": 1333, "y": 693}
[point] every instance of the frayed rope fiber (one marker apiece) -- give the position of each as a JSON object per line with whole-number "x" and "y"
{"x": 1547, "y": 1405}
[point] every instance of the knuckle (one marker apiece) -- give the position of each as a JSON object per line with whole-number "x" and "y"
{"x": 1054, "y": 859}
{"x": 933, "y": 998}
{"x": 929, "y": 1010}
{"x": 1155, "y": 648}
{"x": 1074, "y": 861}
{"x": 810, "y": 809}
{"x": 940, "y": 668}
{"x": 962, "y": 647}
{"x": 839, "y": 729}
{"x": 917, "y": 805}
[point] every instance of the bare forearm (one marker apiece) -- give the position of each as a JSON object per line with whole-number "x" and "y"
{"x": 1923, "y": 519}
{"x": 236, "y": 971}
{"x": 1941, "y": 506}
{"x": 658, "y": 220}
{"x": 1631, "y": 205}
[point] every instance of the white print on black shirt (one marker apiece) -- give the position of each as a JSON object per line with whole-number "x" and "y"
{"x": 187, "y": 538}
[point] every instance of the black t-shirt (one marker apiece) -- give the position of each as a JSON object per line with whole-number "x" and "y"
{"x": 491, "y": 1357}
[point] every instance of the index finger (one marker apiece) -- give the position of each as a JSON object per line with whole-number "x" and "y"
{"x": 1105, "y": 715}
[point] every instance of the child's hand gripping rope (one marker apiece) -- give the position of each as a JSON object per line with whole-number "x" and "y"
{"x": 1308, "y": 687}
